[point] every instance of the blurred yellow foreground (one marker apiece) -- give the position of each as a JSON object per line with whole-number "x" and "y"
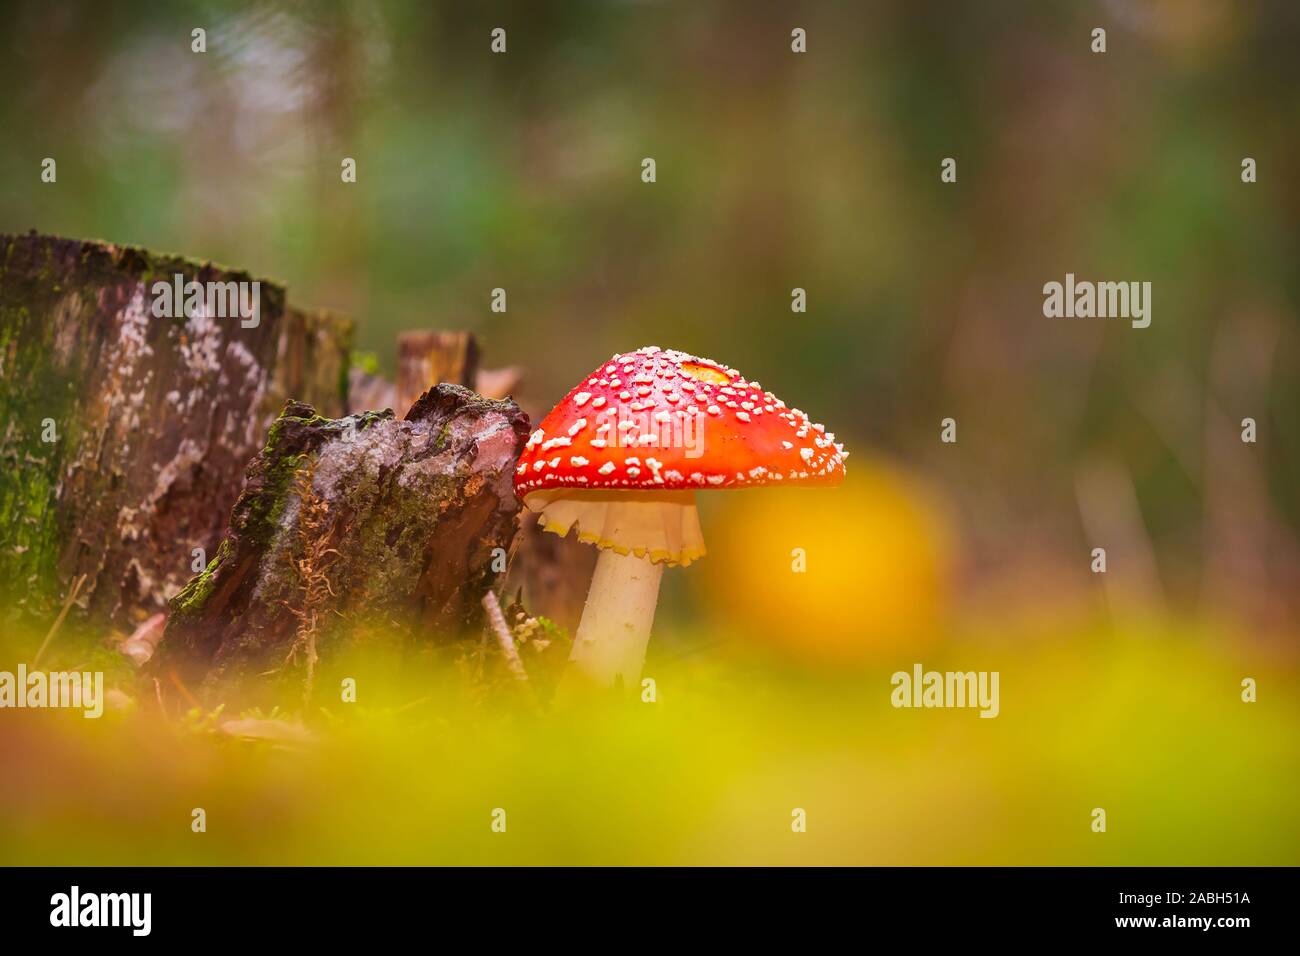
{"x": 1146, "y": 723}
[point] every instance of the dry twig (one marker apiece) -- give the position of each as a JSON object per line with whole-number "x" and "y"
{"x": 497, "y": 622}
{"x": 58, "y": 621}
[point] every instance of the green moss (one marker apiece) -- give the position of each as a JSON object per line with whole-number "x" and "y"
{"x": 195, "y": 594}
{"x": 263, "y": 510}
{"x": 32, "y": 389}
{"x": 266, "y": 507}
{"x": 367, "y": 362}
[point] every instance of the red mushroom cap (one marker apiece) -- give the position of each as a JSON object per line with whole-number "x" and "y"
{"x": 655, "y": 420}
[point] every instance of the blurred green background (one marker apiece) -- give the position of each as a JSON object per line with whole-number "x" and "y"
{"x": 774, "y": 171}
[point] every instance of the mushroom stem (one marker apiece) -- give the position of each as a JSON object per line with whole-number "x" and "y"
{"x": 609, "y": 647}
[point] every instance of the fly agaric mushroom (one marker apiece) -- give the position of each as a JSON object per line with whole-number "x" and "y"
{"x": 620, "y": 459}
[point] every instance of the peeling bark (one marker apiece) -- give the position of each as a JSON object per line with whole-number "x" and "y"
{"x": 124, "y": 437}
{"x": 346, "y": 522}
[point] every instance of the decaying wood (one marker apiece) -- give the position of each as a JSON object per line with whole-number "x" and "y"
{"x": 129, "y": 441}
{"x": 124, "y": 437}
{"x": 347, "y": 522}
{"x": 553, "y": 573}
{"x": 312, "y": 352}
{"x": 367, "y": 391}
{"x": 426, "y": 358}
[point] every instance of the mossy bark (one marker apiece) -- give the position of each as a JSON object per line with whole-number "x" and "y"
{"x": 124, "y": 437}
{"x": 345, "y": 523}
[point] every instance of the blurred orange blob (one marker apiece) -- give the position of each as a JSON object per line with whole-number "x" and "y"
{"x": 842, "y": 575}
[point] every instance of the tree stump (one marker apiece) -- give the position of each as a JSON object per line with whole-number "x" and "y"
{"x": 551, "y": 574}
{"x": 346, "y": 522}
{"x": 124, "y": 437}
{"x": 426, "y": 358}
